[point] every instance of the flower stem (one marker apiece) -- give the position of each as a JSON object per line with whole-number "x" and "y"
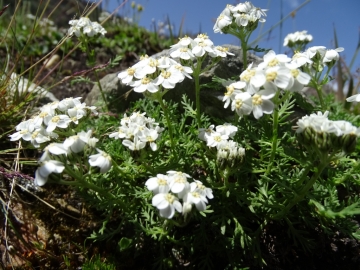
{"x": 196, "y": 75}
{"x": 244, "y": 52}
{"x": 169, "y": 124}
{"x": 102, "y": 92}
{"x": 274, "y": 133}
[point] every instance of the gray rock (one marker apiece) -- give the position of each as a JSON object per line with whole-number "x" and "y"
{"x": 119, "y": 95}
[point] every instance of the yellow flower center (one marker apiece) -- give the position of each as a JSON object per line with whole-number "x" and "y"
{"x": 222, "y": 49}
{"x": 43, "y": 114}
{"x": 248, "y": 75}
{"x": 271, "y": 76}
{"x": 184, "y": 49}
{"x": 238, "y": 103}
{"x": 55, "y": 119}
{"x": 131, "y": 71}
{"x": 166, "y": 74}
{"x": 145, "y": 80}
{"x": 34, "y": 134}
{"x": 217, "y": 138}
{"x": 153, "y": 63}
{"x": 257, "y": 100}
{"x": 144, "y": 57}
{"x": 195, "y": 194}
{"x": 162, "y": 182}
{"x": 170, "y": 198}
{"x": 203, "y": 36}
{"x": 230, "y": 90}
{"x": 273, "y": 63}
{"x": 295, "y": 73}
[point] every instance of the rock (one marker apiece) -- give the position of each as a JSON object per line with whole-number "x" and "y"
{"x": 119, "y": 95}
{"x": 19, "y": 85}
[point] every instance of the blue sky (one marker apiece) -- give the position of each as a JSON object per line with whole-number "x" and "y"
{"x": 318, "y": 17}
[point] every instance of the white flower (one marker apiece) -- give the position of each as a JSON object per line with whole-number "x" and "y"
{"x": 242, "y": 104}
{"x": 216, "y": 138}
{"x": 158, "y": 184}
{"x": 77, "y": 112}
{"x": 68, "y": 103}
{"x": 101, "y": 160}
{"x": 127, "y": 76}
{"x": 312, "y": 51}
{"x": 298, "y": 78}
{"x": 354, "y": 98}
{"x": 298, "y": 37}
{"x": 201, "y": 45}
{"x": 25, "y": 128}
{"x": 219, "y": 51}
{"x": 222, "y": 21}
{"x": 196, "y": 198}
{"x": 167, "y": 204}
{"x": 47, "y": 167}
{"x": 204, "y": 133}
{"x": 184, "y": 70}
{"x": 149, "y": 135}
{"x": 169, "y": 78}
{"x": 145, "y": 84}
{"x": 232, "y": 90}
{"x": 182, "y": 53}
{"x": 178, "y": 182}
{"x": 36, "y": 137}
{"x": 199, "y": 187}
{"x": 148, "y": 66}
{"x": 137, "y": 144}
{"x": 262, "y": 104}
{"x": 88, "y": 27}
{"x": 254, "y": 78}
{"x": 227, "y": 129}
{"x": 332, "y": 55}
{"x": 55, "y": 149}
{"x": 300, "y": 59}
{"x": 61, "y": 121}
{"x": 119, "y": 134}
{"x": 271, "y": 59}
{"x": 278, "y": 76}
{"x": 77, "y": 142}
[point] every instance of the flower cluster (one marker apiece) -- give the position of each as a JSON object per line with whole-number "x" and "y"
{"x": 316, "y": 58}
{"x": 50, "y": 163}
{"x": 297, "y": 39}
{"x": 169, "y": 189}
{"x": 86, "y": 27}
{"x": 189, "y": 49}
{"x": 149, "y": 73}
{"x": 242, "y": 15}
{"x": 316, "y": 130}
{"x": 137, "y": 130}
{"x": 258, "y": 85}
{"x": 227, "y": 150}
{"x": 53, "y": 116}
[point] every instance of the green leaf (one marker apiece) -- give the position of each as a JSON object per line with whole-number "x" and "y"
{"x": 124, "y": 243}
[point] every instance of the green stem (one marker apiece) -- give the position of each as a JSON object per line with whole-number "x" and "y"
{"x": 304, "y": 191}
{"x": 244, "y": 52}
{"x": 196, "y": 75}
{"x": 102, "y": 92}
{"x": 169, "y": 124}
{"x": 274, "y": 133}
